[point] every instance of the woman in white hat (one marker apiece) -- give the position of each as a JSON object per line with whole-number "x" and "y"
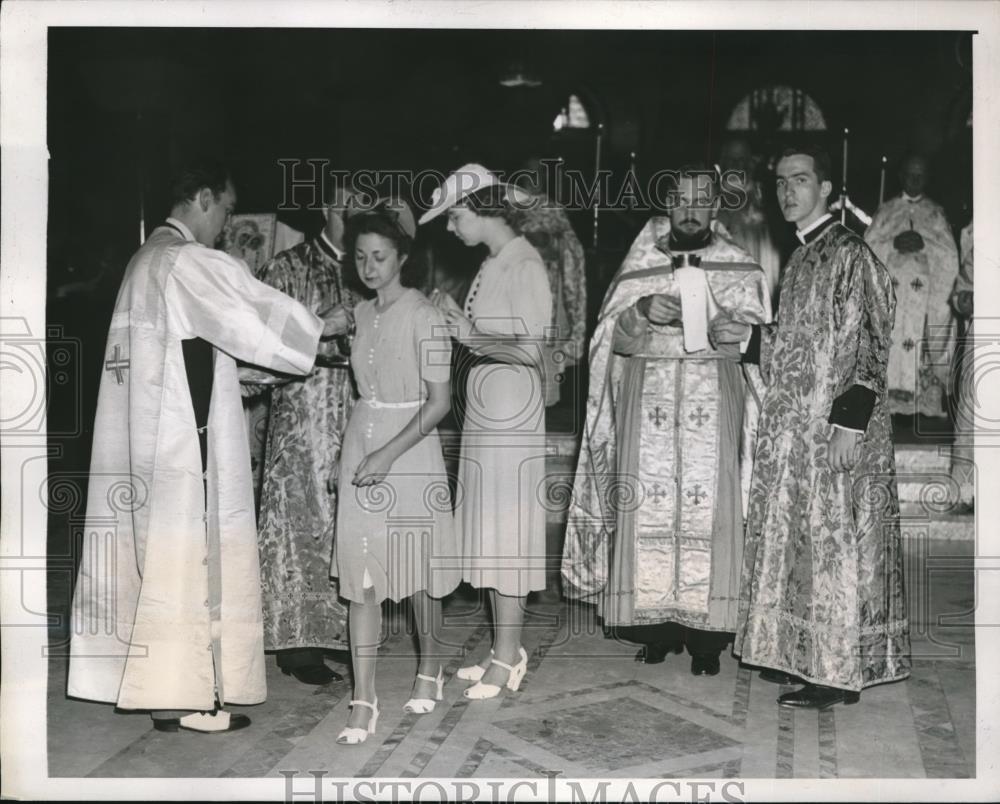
{"x": 499, "y": 506}
{"x": 391, "y": 472}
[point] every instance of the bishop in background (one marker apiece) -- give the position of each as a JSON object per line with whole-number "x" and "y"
{"x": 913, "y": 239}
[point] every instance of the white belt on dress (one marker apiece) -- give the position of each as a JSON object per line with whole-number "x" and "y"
{"x": 375, "y": 403}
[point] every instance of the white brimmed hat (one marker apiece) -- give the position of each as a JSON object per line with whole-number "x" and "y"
{"x": 460, "y": 183}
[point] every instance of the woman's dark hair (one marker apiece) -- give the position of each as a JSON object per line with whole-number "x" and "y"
{"x": 381, "y": 222}
{"x": 493, "y": 202}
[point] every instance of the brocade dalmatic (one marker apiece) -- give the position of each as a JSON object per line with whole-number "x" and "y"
{"x": 298, "y": 504}
{"x": 822, "y": 590}
{"x": 648, "y": 511}
{"x": 548, "y": 229}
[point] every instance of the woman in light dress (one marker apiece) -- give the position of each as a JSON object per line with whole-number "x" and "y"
{"x": 395, "y": 529}
{"x": 499, "y": 499}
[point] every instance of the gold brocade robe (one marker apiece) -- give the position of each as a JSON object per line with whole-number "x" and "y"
{"x": 822, "y": 594}
{"x": 655, "y": 526}
{"x": 298, "y": 507}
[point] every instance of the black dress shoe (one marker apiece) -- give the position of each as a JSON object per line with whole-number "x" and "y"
{"x": 704, "y": 664}
{"x": 656, "y": 652}
{"x": 816, "y": 696}
{"x": 315, "y": 674}
{"x": 778, "y": 677}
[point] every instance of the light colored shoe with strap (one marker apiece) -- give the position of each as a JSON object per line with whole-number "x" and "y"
{"x": 473, "y": 672}
{"x": 424, "y": 706}
{"x": 353, "y": 735}
{"x": 480, "y": 691}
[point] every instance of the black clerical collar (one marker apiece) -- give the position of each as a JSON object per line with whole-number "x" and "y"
{"x": 680, "y": 242}
{"x": 815, "y": 229}
{"x": 179, "y": 227}
{"x": 685, "y": 258}
{"x": 329, "y": 249}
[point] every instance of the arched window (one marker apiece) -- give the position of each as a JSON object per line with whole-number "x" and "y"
{"x": 572, "y": 115}
{"x": 776, "y": 108}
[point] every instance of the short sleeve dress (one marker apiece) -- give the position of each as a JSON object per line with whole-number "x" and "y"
{"x": 501, "y": 490}
{"x": 398, "y": 535}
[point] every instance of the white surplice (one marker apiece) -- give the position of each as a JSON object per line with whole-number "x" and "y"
{"x": 167, "y": 609}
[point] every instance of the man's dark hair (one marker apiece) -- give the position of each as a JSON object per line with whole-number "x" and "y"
{"x": 196, "y": 175}
{"x": 692, "y": 170}
{"x": 822, "y": 165}
{"x": 909, "y": 156}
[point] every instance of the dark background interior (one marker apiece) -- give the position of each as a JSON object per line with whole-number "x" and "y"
{"x": 125, "y": 105}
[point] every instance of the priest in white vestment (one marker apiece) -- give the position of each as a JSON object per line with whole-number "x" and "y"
{"x": 167, "y": 607}
{"x": 912, "y": 238}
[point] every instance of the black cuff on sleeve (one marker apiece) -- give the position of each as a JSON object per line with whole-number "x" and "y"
{"x": 853, "y": 408}
{"x": 752, "y": 353}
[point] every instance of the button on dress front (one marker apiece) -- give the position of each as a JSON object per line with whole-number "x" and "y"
{"x": 501, "y": 490}
{"x": 400, "y": 533}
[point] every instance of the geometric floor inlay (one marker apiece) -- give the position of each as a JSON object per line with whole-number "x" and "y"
{"x": 610, "y": 735}
{"x": 572, "y": 719}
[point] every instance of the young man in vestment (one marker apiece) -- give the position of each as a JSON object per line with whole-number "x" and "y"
{"x": 913, "y": 239}
{"x": 655, "y": 530}
{"x": 167, "y": 609}
{"x": 822, "y": 600}
{"x": 302, "y": 612}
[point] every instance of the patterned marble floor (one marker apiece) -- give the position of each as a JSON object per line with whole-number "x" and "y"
{"x": 586, "y": 709}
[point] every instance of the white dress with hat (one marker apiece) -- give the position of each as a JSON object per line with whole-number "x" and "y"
{"x": 398, "y": 535}
{"x": 501, "y": 490}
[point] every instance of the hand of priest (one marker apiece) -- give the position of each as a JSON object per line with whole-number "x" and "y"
{"x": 724, "y": 329}
{"x": 660, "y": 309}
{"x": 337, "y": 320}
{"x": 843, "y": 450}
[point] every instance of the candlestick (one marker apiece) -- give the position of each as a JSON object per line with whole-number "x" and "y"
{"x": 845, "y": 158}
{"x": 597, "y": 178}
{"x": 881, "y": 183}
{"x": 843, "y": 185}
